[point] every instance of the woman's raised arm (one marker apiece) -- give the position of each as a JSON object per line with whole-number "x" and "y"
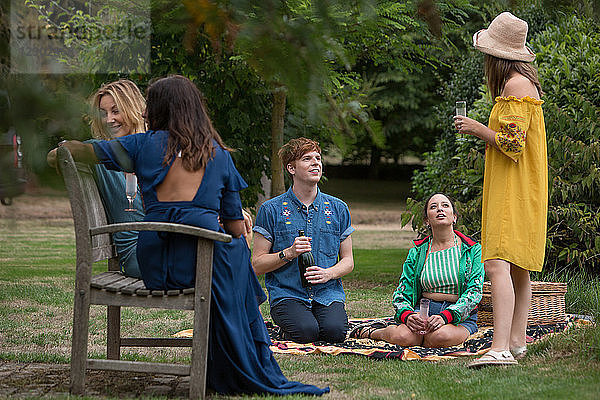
{"x": 83, "y": 152}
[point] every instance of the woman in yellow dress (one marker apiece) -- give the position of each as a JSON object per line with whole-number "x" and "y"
{"x": 515, "y": 185}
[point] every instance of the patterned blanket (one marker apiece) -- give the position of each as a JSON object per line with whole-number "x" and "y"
{"x": 478, "y": 343}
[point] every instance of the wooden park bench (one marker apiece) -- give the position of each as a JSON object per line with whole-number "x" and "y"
{"x": 111, "y": 288}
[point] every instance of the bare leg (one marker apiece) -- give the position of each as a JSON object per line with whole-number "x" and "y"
{"x": 398, "y": 334}
{"x": 447, "y": 335}
{"x": 522, "y": 285}
{"x": 503, "y": 301}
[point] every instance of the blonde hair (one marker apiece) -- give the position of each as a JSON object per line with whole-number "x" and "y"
{"x": 129, "y": 101}
{"x": 497, "y": 71}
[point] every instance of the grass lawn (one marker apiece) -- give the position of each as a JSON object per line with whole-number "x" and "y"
{"x": 36, "y": 280}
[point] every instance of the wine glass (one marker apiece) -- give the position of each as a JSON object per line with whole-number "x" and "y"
{"x": 130, "y": 189}
{"x": 424, "y": 310}
{"x": 461, "y": 109}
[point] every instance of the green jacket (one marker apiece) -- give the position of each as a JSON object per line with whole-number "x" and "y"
{"x": 470, "y": 278}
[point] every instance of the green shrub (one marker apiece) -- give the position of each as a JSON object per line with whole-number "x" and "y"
{"x": 568, "y": 59}
{"x": 569, "y": 66}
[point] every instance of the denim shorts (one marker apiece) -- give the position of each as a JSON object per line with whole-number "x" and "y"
{"x": 436, "y": 307}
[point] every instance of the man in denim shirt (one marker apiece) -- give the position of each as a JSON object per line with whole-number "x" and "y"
{"x": 317, "y": 312}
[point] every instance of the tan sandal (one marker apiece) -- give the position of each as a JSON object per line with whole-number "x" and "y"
{"x": 494, "y": 358}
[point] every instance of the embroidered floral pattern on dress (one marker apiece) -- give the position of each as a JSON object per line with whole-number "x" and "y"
{"x": 511, "y": 139}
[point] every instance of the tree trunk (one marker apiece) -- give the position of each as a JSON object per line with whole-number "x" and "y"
{"x": 374, "y": 163}
{"x": 277, "y": 182}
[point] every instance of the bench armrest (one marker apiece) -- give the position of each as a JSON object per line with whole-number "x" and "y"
{"x": 162, "y": 227}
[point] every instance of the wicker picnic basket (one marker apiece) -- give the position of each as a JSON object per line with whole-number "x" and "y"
{"x": 547, "y": 304}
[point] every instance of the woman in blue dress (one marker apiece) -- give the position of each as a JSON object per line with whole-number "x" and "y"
{"x": 187, "y": 176}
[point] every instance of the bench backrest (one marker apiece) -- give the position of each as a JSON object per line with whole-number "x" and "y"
{"x": 87, "y": 207}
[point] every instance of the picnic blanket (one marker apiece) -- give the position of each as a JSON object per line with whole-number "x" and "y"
{"x": 478, "y": 343}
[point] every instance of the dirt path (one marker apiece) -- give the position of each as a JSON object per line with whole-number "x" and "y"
{"x": 41, "y": 380}
{"x": 37, "y": 206}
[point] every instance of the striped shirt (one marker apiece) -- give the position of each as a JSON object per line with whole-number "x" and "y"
{"x": 440, "y": 273}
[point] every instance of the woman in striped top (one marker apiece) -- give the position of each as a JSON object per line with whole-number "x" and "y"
{"x": 444, "y": 268}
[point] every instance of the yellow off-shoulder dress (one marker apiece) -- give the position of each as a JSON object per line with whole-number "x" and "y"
{"x": 515, "y": 185}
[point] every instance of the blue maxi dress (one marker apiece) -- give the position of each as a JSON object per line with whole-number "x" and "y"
{"x": 239, "y": 358}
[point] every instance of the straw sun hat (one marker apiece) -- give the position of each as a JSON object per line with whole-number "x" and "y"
{"x": 505, "y": 38}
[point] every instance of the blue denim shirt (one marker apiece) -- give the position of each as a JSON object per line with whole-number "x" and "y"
{"x": 327, "y": 221}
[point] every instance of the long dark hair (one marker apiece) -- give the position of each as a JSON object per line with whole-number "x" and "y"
{"x": 497, "y": 71}
{"x": 175, "y": 104}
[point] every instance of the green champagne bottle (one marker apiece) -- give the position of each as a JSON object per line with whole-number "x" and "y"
{"x": 305, "y": 260}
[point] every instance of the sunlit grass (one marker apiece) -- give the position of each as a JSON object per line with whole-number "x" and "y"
{"x": 377, "y": 266}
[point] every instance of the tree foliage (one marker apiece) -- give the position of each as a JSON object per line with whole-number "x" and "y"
{"x": 352, "y": 70}
{"x": 107, "y": 36}
{"x": 364, "y": 73}
{"x": 40, "y": 111}
{"x": 238, "y": 101}
{"x": 401, "y": 59}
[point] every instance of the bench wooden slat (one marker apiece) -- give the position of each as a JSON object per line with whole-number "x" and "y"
{"x": 98, "y": 229}
{"x": 100, "y": 282}
{"x": 103, "y": 274}
{"x": 138, "y": 366}
{"x": 119, "y": 278}
{"x": 133, "y": 287}
{"x": 118, "y": 285}
{"x": 107, "y": 276}
{"x": 181, "y": 302}
{"x": 156, "y": 342}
